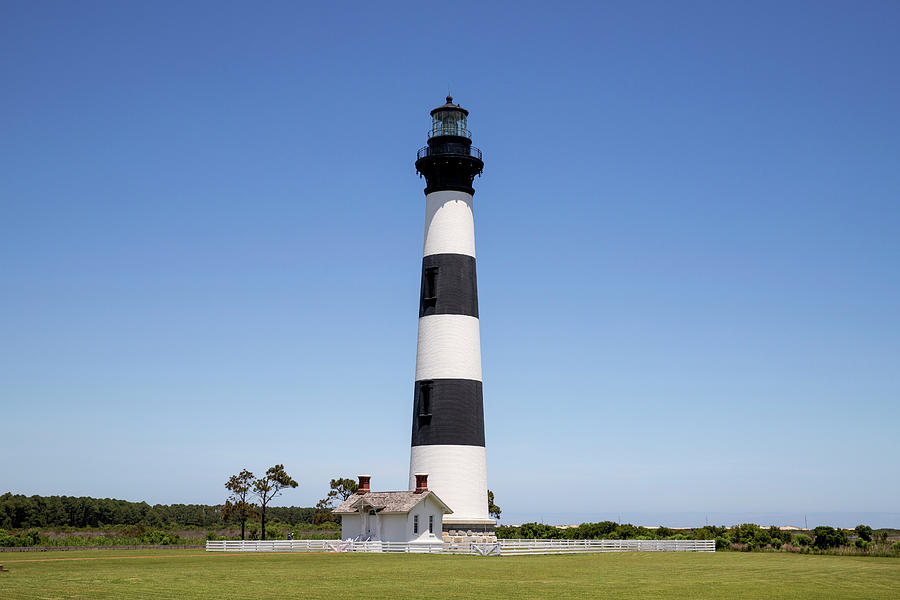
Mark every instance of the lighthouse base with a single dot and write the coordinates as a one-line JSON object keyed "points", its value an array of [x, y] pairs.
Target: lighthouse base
{"points": [[469, 531]]}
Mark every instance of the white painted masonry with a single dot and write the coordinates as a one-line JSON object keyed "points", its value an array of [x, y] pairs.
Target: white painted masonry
{"points": [[449, 347], [458, 475], [395, 527], [449, 223]]}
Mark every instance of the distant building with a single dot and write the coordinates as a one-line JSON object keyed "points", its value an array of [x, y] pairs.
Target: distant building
{"points": [[408, 517]]}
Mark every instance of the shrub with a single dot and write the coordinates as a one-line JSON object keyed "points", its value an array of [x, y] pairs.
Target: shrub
{"points": [[594, 531], [829, 537], [864, 532], [158, 537], [539, 531], [274, 533], [748, 533], [895, 546], [663, 532], [722, 543], [863, 544], [709, 532], [802, 540], [507, 532]]}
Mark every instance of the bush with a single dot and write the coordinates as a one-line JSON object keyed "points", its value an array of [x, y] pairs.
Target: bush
{"points": [[539, 531], [829, 537], [863, 544], [895, 546], [748, 534], [710, 532], [28, 538], [722, 543], [161, 538], [864, 532], [802, 540], [663, 532], [273, 533]]}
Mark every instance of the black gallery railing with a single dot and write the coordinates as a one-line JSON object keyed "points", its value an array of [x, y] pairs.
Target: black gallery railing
{"points": [[443, 149]]}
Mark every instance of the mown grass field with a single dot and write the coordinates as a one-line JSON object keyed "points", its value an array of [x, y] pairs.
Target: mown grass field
{"points": [[197, 574]]}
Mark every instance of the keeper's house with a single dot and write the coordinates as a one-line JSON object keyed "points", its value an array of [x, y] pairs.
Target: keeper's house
{"points": [[409, 517]]}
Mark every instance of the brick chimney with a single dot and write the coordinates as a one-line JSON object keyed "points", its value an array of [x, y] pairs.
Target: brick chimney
{"points": [[421, 483], [363, 484]]}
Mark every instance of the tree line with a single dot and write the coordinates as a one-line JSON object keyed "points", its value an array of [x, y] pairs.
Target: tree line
{"points": [[747, 536], [18, 511]]}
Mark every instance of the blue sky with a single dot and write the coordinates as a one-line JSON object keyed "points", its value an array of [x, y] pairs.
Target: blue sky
{"points": [[688, 258]]}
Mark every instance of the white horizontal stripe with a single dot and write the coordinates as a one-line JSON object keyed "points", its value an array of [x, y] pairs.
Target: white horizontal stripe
{"points": [[458, 475], [449, 348], [449, 223]]}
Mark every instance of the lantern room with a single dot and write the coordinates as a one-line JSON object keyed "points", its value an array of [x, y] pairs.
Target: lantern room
{"points": [[449, 119]]}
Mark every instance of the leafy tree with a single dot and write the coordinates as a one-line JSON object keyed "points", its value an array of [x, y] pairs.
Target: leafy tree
{"points": [[341, 489], [237, 506], [829, 537], [493, 509], [749, 534], [270, 486], [539, 531], [864, 532], [595, 531]]}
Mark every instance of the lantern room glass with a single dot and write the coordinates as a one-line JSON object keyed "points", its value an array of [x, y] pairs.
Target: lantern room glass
{"points": [[449, 122]]}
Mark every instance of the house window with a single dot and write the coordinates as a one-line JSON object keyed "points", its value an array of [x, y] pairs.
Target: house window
{"points": [[415, 523], [430, 523]]}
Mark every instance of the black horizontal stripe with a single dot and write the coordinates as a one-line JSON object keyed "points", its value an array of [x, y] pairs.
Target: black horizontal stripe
{"points": [[448, 411], [449, 285]]}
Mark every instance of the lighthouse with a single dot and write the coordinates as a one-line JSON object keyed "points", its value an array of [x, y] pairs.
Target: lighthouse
{"points": [[448, 413]]}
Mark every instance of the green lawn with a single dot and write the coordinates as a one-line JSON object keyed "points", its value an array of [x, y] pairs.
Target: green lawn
{"points": [[197, 574]]}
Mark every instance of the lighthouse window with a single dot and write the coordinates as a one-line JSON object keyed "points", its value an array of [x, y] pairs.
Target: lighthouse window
{"points": [[415, 523], [430, 523], [425, 399], [449, 122], [429, 286]]}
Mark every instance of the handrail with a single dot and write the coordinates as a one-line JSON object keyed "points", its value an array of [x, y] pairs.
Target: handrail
{"points": [[443, 150]]}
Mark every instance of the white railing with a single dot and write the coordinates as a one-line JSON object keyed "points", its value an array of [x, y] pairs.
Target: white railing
{"points": [[514, 547], [274, 546], [499, 548]]}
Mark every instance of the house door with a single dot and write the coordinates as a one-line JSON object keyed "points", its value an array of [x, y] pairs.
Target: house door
{"points": [[371, 522]]}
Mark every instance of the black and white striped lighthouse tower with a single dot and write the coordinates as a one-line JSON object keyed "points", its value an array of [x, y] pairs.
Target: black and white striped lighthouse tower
{"points": [[448, 415]]}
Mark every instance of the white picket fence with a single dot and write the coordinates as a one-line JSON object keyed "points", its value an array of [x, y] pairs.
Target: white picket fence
{"points": [[499, 548]]}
